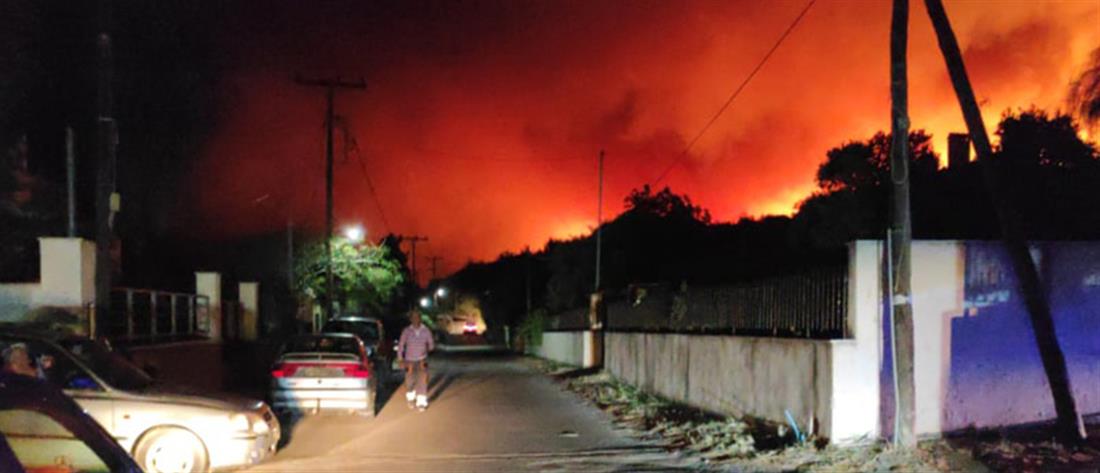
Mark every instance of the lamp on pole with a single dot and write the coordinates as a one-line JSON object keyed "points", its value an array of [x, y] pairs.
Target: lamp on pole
{"points": [[355, 233]]}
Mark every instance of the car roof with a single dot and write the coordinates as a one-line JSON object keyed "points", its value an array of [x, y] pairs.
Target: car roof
{"points": [[325, 335], [355, 318]]}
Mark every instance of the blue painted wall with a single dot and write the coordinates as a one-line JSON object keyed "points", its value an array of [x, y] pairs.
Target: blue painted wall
{"points": [[996, 377]]}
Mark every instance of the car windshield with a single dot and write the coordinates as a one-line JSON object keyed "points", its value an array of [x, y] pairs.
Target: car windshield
{"points": [[322, 344], [367, 331], [115, 370]]}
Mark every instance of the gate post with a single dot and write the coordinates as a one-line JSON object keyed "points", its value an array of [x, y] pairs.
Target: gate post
{"points": [[209, 284]]}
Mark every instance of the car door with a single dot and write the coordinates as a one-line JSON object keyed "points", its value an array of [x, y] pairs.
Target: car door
{"points": [[64, 372]]}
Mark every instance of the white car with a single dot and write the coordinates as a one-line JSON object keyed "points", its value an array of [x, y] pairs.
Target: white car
{"points": [[164, 430], [325, 372]]}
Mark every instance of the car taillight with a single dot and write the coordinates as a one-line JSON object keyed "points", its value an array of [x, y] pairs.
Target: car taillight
{"points": [[282, 371], [356, 372]]}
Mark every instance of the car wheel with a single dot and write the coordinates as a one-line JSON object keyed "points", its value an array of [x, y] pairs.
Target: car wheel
{"points": [[171, 450]]}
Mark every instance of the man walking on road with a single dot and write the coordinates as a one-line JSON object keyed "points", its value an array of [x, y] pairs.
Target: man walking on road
{"points": [[416, 342]]}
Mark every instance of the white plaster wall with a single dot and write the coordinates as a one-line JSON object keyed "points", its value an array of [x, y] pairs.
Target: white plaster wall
{"points": [[209, 284], [67, 272], [249, 295], [66, 279], [938, 286], [856, 361], [564, 347], [15, 300]]}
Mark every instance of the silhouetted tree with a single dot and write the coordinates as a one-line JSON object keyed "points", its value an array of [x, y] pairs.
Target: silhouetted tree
{"points": [[860, 165], [1034, 137]]}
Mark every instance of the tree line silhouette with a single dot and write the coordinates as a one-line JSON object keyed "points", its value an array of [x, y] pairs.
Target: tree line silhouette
{"points": [[663, 237]]}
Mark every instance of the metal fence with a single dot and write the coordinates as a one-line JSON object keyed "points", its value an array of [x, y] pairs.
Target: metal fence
{"points": [[813, 304], [143, 314]]}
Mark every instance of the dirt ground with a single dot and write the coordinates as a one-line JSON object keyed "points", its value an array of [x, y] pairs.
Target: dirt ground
{"points": [[755, 445]]}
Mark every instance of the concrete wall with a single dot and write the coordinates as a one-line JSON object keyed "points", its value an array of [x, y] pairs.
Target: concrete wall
{"points": [[976, 361], [757, 376], [67, 281], [248, 294], [856, 360], [16, 299], [209, 284], [571, 348]]}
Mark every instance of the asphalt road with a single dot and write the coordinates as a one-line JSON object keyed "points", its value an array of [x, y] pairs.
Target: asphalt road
{"points": [[488, 413]]}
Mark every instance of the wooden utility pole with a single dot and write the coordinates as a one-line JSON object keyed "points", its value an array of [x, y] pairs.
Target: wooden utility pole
{"points": [[599, 220], [1071, 429], [901, 232], [435, 260], [330, 86], [413, 240], [105, 164]]}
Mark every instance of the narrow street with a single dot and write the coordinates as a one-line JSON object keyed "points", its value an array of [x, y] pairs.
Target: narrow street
{"points": [[488, 413]]}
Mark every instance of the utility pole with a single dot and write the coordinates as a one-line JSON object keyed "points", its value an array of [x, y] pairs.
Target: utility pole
{"points": [[434, 260], [599, 220], [105, 164], [1071, 429], [70, 180], [330, 86], [413, 240], [901, 232]]}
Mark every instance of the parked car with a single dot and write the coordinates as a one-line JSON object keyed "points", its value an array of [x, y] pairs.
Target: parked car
{"points": [[43, 431], [469, 328], [165, 429], [373, 334], [323, 372]]}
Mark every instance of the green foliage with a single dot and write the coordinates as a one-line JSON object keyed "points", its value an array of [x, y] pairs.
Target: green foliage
{"points": [[367, 276], [530, 330]]}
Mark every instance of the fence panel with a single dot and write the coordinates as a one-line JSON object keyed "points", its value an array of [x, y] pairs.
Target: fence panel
{"points": [[142, 314], [808, 305]]}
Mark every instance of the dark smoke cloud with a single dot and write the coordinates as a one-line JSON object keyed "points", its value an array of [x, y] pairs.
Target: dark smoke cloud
{"points": [[482, 120]]}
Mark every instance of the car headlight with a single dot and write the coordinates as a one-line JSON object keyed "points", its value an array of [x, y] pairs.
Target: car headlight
{"points": [[240, 423], [259, 426], [248, 423]]}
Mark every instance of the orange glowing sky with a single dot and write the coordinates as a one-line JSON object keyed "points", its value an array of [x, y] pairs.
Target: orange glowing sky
{"points": [[482, 121]]}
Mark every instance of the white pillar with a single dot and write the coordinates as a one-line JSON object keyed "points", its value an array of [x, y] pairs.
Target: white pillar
{"points": [[209, 284], [249, 295], [66, 272], [856, 360]]}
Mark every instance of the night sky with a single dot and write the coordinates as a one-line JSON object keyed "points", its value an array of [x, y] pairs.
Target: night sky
{"points": [[481, 121]]}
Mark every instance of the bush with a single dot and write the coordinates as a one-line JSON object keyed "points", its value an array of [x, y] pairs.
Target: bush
{"points": [[530, 330]]}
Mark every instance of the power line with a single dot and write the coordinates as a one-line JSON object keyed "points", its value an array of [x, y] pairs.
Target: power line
{"points": [[353, 144], [735, 93]]}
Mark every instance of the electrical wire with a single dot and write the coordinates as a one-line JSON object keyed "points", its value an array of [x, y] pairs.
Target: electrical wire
{"points": [[353, 145], [735, 93]]}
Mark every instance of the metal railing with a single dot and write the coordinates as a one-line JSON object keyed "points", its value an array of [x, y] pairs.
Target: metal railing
{"points": [[813, 304], [144, 314]]}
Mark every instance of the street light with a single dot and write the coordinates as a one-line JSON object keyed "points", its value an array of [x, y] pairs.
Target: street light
{"points": [[441, 292], [354, 233], [425, 302]]}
